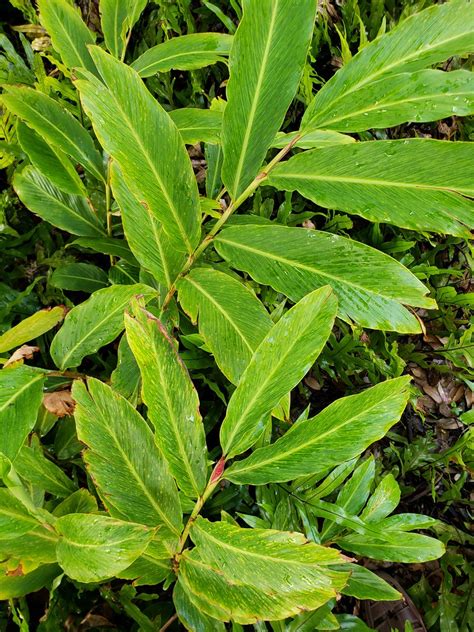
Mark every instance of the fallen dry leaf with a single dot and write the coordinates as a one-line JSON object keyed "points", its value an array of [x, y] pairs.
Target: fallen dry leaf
{"points": [[59, 403], [24, 352]]}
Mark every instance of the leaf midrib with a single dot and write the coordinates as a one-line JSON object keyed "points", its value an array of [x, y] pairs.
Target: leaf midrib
{"points": [[173, 209], [93, 330], [373, 181], [243, 415], [317, 439], [194, 54], [173, 418], [258, 89], [297, 264], [21, 390], [386, 70], [136, 476], [221, 309], [387, 104]]}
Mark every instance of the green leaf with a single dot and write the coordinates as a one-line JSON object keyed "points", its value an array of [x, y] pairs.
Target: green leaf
{"points": [[427, 95], [37, 546], [107, 246], [420, 41], [116, 18], [79, 277], [266, 62], [281, 360], [125, 379], [310, 140], [402, 547], [402, 182], [55, 124], [94, 323], [172, 401], [145, 235], [364, 584], [128, 468], [137, 132], [35, 468], [232, 321], [14, 519], [69, 34], [191, 616], [197, 125], [81, 501], [343, 430], [14, 586], [187, 52], [152, 567], [251, 574], [32, 327], [66, 211], [50, 161], [21, 394], [93, 548], [383, 501], [296, 260]]}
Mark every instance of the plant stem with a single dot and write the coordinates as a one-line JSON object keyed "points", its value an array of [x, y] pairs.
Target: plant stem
{"points": [[210, 487], [233, 206]]}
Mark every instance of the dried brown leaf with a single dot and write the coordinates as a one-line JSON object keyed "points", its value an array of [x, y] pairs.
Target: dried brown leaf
{"points": [[59, 403]]}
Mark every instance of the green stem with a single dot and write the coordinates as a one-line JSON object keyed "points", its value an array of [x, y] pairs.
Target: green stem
{"points": [[210, 487], [233, 206]]}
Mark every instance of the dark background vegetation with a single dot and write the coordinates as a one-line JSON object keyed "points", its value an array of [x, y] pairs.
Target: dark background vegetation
{"points": [[428, 452]]}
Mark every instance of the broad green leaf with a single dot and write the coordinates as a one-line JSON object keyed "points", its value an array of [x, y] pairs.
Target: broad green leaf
{"points": [[152, 567], [55, 124], [427, 95], [191, 616], [402, 547], [128, 468], [317, 138], [21, 394], [364, 584], [68, 32], [370, 285], [423, 39], [197, 125], [401, 182], [187, 52], [50, 161], [171, 399], [94, 323], [137, 132], [232, 321], [14, 519], [125, 379], [340, 432], [37, 546], [14, 586], [35, 468], [66, 211], [281, 360], [93, 548], [408, 522], [251, 574], [266, 61], [81, 501], [79, 277], [107, 246], [383, 501], [116, 18], [32, 327], [145, 235]]}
